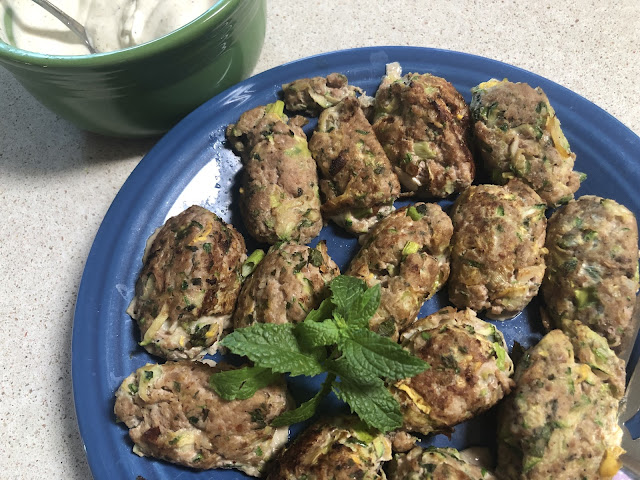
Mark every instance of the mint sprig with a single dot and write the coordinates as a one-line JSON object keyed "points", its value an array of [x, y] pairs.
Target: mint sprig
{"points": [[366, 352], [335, 338], [241, 383], [373, 403], [306, 409], [276, 347]]}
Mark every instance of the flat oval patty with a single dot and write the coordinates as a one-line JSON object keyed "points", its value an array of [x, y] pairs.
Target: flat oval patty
{"points": [[497, 257], [339, 448], [189, 284], [592, 272], [470, 370], [407, 253], [288, 283], [174, 415]]}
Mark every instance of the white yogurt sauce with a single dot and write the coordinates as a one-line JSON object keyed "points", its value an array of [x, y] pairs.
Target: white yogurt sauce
{"points": [[110, 24]]}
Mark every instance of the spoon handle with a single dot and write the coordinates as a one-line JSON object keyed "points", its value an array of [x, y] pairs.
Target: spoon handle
{"points": [[71, 23]]}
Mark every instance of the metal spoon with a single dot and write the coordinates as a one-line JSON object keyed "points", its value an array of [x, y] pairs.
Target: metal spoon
{"points": [[71, 23]]}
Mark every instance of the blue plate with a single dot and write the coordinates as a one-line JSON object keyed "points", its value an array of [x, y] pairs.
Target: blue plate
{"points": [[192, 165]]}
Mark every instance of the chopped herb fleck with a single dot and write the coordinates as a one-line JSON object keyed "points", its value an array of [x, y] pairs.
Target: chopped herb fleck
{"points": [[257, 416], [387, 328], [448, 361], [417, 212], [472, 263], [569, 265], [199, 337], [315, 257], [299, 266], [593, 272]]}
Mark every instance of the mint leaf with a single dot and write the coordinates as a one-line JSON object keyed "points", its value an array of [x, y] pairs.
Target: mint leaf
{"points": [[307, 409], [316, 334], [364, 306], [345, 291], [275, 347], [346, 369], [323, 312], [339, 326], [374, 404], [241, 383], [367, 352]]}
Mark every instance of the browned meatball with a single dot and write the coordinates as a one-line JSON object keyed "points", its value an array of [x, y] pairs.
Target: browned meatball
{"points": [[561, 421], [188, 286], [289, 282], [174, 415], [279, 194], [407, 253], [423, 124], [340, 448], [470, 371], [519, 136], [357, 180], [435, 464], [312, 95], [592, 272], [497, 258]]}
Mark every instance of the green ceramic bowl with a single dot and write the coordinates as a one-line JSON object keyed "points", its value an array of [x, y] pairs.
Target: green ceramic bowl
{"points": [[146, 89]]}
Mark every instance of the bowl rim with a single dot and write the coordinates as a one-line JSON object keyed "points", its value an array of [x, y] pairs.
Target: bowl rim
{"points": [[213, 16]]}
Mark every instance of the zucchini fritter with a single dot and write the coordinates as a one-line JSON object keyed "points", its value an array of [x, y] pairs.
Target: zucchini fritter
{"points": [[497, 257], [470, 371], [423, 124], [407, 253], [289, 282], [188, 286], [434, 464], [340, 448], [592, 272], [519, 136], [279, 194], [357, 180], [561, 421], [174, 415]]}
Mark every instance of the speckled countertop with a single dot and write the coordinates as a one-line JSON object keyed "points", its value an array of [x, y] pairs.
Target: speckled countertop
{"points": [[56, 182]]}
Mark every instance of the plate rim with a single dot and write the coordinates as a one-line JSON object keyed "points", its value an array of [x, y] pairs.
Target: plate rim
{"points": [[171, 141]]}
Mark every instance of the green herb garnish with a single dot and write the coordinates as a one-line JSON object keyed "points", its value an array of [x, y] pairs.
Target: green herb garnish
{"points": [[242, 383], [334, 340]]}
